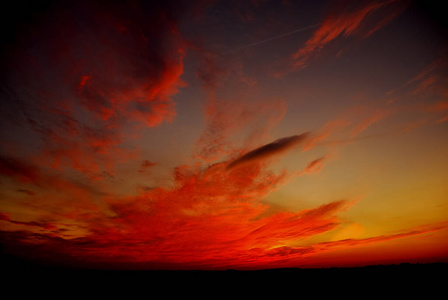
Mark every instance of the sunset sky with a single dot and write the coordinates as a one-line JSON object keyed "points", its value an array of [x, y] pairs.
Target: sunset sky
{"points": [[217, 134]]}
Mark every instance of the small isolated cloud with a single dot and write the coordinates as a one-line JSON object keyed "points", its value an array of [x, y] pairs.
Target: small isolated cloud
{"points": [[146, 164], [315, 166], [275, 148]]}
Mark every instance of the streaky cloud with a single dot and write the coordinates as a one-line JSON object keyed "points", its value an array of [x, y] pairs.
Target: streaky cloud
{"points": [[348, 18], [269, 150]]}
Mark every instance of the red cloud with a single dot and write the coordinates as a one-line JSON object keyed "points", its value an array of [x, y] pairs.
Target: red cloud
{"points": [[210, 219], [94, 76], [213, 218], [315, 166], [346, 19]]}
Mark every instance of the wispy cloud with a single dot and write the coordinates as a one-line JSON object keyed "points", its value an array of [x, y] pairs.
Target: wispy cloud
{"points": [[291, 254], [348, 18], [375, 117], [94, 76], [305, 28], [226, 117], [268, 150], [315, 166]]}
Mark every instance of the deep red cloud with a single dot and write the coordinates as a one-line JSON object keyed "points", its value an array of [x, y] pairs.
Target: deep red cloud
{"points": [[211, 219], [214, 217]]}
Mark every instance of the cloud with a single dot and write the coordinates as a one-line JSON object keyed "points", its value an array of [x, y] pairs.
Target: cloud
{"points": [[429, 83], [20, 170], [315, 166], [310, 254], [212, 217], [226, 116], [146, 164], [439, 106], [375, 117], [231, 119], [26, 192], [118, 69], [88, 69], [323, 133], [348, 18], [382, 238], [269, 150], [59, 196], [44, 225]]}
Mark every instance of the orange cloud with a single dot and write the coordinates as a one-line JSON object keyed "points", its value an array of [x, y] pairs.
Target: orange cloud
{"points": [[382, 238], [315, 166], [365, 123], [323, 133]]}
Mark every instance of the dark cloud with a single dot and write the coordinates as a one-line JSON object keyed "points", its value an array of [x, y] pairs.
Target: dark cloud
{"points": [[146, 164], [19, 170], [27, 192], [75, 72], [268, 150], [45, 225]]}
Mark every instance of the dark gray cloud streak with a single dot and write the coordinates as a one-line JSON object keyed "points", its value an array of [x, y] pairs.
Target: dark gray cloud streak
{"points": [[268, 150]]}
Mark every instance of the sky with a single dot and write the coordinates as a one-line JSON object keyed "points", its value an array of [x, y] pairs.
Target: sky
{"points": [[224, 134]]}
